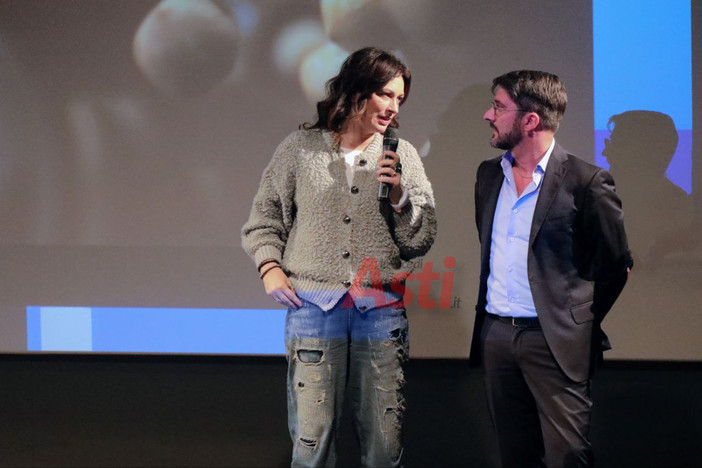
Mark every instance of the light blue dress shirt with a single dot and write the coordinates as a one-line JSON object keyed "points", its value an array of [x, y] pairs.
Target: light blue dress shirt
{"points": [[509, 293]]}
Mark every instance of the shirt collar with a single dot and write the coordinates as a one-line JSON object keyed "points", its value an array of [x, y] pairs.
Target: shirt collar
{"points": [[508, 159]]}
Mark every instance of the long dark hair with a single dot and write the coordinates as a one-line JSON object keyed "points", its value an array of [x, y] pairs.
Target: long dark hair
{"points": [[363, 73]]}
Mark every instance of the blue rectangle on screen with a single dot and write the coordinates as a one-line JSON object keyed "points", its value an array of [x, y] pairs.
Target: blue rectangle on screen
{"points": [[161, 330], [33, 328], [66, 329], [156, 330]]}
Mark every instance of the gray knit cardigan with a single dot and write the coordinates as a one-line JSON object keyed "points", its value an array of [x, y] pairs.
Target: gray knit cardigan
{"points": [[320, 230]]}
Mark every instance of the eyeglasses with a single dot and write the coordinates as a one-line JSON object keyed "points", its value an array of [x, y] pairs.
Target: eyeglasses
{"points": [[497, 108]]}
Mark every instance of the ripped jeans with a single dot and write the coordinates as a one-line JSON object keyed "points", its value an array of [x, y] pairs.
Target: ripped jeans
{"points": [[346, 352]]}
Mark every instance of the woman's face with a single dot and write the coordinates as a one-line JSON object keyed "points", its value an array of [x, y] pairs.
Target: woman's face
{"points": [[381, 107]]}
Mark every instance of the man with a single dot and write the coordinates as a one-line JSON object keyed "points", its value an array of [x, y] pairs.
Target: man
{"points": [[554, 258]]}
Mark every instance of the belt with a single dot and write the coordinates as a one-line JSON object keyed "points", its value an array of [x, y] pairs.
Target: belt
{"points": [[521, 322]]}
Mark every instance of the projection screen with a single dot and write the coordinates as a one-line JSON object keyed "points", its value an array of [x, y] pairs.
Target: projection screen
{"points": [[134, 134]]}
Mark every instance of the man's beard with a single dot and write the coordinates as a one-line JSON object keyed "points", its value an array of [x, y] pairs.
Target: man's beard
{"points": [[508, 140]]}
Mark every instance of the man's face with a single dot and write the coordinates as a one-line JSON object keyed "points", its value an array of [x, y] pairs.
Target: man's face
{"points": [[505, 120]]}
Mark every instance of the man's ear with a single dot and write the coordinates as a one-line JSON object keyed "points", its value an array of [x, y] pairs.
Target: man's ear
{"points": [[532, 121]]}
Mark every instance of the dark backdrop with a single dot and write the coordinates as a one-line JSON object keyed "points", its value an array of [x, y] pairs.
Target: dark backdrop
{"points": [[178, 411]]}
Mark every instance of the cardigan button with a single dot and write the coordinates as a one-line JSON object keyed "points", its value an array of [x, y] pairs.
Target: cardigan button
{"points": [[347, 220], [345, 254], [354, 190], [362, 162], [346, 283]]}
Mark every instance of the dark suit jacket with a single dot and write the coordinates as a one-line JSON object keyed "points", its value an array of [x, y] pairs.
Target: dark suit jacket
{"points": [[577, 261]]}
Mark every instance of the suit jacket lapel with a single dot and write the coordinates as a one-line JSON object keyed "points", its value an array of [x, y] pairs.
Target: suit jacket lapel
{"points": [[553, 179], [494, 181]]}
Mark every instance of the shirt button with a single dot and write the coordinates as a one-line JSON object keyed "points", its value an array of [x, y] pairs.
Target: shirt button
{"points": [[347, 283], [347, 220], [509, 268], [362, 162], [511, 299], [511, 239], [354, 189], [345, 254], [515, 210]]}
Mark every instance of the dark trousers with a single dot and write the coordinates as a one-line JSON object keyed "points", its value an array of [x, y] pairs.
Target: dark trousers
{"points": [[541, 417]]}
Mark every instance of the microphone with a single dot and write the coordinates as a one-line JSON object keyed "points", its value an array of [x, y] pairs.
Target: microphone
{"points": [[390, 141]]}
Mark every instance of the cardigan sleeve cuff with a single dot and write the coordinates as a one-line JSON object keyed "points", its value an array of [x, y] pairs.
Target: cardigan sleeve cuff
{"points": [[267, 252], [407, 215]]}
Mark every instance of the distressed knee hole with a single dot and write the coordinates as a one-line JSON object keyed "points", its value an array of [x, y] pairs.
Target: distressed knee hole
{"points": [[398, 339], [391, 417], [308, 443], [398, 334], [310, 356]]}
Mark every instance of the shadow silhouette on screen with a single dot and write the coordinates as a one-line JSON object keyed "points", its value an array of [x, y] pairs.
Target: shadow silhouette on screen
{"points": [[658, 213], [660, 302]]}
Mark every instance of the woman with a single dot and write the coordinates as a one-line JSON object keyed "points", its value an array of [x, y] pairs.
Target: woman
{"points": [[328, 249]]}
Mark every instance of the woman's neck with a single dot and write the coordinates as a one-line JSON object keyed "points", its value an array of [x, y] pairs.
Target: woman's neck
{"points": [[355, 140]]}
